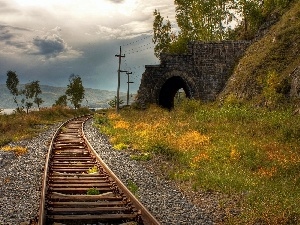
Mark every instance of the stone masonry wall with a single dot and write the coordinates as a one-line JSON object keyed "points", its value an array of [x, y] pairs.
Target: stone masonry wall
{"points": [[205, 69]]}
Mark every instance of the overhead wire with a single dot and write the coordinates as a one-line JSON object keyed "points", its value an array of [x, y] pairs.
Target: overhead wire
{"points": [[137, 48]]}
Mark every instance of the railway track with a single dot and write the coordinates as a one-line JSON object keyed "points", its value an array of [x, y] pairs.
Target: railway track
{"points": [[78, 187]]}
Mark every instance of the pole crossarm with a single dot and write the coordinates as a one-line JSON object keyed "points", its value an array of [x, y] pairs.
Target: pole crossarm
{"points": [[128, 82], [120, 55]]}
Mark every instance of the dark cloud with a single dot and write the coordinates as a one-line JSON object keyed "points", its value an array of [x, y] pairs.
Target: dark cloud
{"points": [[8, 32], [17, 44], [20, 40], [50, 46], [64, 38], [11, 36], [5, 34]]}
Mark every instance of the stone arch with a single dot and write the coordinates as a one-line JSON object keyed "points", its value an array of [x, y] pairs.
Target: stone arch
{"points": [[202, 71], [171, 82]]}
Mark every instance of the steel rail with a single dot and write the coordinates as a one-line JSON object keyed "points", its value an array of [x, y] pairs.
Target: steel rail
{"points": [[44, 188], [147, 217], [64, 186]]}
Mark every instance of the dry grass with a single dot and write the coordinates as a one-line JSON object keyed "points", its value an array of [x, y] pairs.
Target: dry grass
{"points": [[18, 150], [20, 126], [232, 149]]}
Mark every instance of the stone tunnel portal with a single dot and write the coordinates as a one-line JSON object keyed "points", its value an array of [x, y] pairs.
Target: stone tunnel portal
{"points": [[169, 89]]}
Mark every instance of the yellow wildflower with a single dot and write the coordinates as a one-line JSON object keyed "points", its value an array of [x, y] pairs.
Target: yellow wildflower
{"points": [[121, 125]]}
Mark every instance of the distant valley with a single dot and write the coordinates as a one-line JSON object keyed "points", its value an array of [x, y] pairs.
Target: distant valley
{"points": [[94, 98]]}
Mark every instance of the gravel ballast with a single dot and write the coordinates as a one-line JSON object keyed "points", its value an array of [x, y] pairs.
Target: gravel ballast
{"points": [[21, 177]]}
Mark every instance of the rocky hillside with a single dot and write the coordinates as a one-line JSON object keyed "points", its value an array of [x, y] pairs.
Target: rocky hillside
{"points": [[94, 98], [270, 68]]}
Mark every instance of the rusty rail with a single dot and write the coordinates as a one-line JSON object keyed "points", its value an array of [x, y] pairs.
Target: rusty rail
{"points": [[72, 195]]}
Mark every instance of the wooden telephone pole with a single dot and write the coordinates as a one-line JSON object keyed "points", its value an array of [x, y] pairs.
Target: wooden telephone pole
{"points": [[119, 71], [128, 82]]}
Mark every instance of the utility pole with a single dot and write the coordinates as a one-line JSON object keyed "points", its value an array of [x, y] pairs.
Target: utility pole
{"points": [[118, 90], [128, 82]]}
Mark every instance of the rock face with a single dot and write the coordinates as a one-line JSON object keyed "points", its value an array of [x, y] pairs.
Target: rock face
{"points": [[202, 73], [295, 83]]}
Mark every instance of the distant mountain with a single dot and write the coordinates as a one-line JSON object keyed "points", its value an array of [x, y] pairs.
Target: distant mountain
{"points": [[94, 98]]}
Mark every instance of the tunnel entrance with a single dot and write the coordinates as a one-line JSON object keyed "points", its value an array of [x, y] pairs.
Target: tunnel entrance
{"points": [[169, 90]]}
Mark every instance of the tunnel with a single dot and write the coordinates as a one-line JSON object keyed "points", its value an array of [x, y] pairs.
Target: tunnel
{"points": [[169, 90]]}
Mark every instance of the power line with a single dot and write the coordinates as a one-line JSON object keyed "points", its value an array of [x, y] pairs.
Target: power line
{"points": [[138, 47], [133, 51], [141, 39]]}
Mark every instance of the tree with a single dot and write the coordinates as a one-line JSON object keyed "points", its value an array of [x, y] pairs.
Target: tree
{"points": [[251, 14], [12, 83], [75, 90], [38, 101], [32, 90], [162, 34], [112, 103], [208, 20], [203, 20], [28, 105], [37, 91], [61, 101], [198, 20]]}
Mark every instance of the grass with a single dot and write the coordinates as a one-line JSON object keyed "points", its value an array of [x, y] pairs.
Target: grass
{"points": [[132, 187], [92, 191], [144, 156], [231, 149], [18, 150], [20, 126]]}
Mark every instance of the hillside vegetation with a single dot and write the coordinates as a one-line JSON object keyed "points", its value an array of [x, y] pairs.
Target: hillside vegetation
{"points": [[263, 74]]}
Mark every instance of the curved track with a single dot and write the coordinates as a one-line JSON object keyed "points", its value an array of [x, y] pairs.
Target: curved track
{"points": [[66, 197]]}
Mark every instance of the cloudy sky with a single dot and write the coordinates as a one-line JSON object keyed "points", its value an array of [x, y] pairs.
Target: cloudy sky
{"points": [[49, 40]]}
